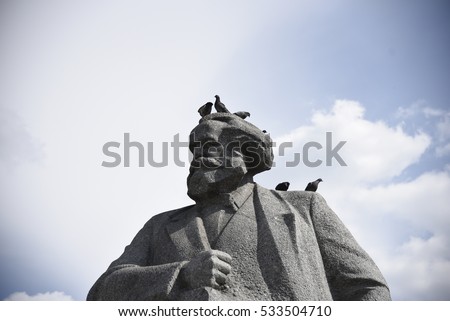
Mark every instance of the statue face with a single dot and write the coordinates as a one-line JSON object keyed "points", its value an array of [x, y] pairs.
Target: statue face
{"points": [[218, 165]]}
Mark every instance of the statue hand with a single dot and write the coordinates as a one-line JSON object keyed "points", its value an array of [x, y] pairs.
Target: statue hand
{"points": [[208, 268]]}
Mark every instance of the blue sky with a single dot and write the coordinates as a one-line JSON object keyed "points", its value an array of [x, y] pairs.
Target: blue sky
{"points": [[75, 75]]}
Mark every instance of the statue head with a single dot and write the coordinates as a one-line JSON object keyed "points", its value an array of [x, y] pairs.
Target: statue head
{"points": [[227, 151]]}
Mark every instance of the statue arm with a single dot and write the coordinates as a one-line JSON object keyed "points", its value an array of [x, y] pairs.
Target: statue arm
{"points": [[351, 273], [131, 277], [130, 282]]}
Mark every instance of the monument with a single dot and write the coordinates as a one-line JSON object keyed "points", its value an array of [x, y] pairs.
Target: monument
{"points": [[241, 241]]}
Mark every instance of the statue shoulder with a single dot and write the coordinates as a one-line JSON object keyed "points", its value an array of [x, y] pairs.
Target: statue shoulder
{"points": [[303, 199], [287, 195], [164, 217]]}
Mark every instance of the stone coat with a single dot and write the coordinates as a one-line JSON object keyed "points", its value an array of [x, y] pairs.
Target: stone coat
{"points": [[285, 246]]}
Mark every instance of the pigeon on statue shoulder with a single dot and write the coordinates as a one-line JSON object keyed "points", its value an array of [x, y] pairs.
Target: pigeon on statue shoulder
{"points": [[284, 186], [312, 186]]}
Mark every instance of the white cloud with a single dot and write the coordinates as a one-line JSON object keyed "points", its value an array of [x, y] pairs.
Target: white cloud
{"points": [[433, 120], [405, 112], [403, 224], [47, 296], [419, 108], [433, 112], [373, 151], [420, 269], [417, 263], [422, 201]]}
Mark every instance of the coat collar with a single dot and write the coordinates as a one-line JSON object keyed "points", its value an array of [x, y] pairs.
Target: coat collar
{"points": [[186, 229]]}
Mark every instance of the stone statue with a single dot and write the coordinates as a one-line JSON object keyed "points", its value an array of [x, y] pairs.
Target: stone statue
{"points": [[241, 241]]}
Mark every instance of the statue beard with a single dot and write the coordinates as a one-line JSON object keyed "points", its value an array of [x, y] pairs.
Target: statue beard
{"points": [[215, 178]]}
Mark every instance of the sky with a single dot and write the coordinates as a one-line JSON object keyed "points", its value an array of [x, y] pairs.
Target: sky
{"points": [[77, 75]]}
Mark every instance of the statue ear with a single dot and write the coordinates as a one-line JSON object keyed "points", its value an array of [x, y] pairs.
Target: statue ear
{"points": [[258, 156], [267, 155]]}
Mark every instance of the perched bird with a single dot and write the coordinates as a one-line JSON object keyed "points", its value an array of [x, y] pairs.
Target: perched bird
{"points": [[242, 114], [282, 186], [312, 186], [205, 109], [264, 131], [220, 106]]}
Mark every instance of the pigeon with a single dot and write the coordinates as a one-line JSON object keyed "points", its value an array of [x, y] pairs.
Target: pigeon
{"points": [[205, 109], [219, 106], [312, 186], [282, 186], [242, 114]]}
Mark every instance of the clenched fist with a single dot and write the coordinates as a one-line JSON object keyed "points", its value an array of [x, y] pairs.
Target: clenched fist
{"points": [[208, 268]]}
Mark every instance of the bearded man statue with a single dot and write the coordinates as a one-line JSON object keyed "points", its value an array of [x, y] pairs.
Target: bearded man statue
{"points": [[241, 241]]}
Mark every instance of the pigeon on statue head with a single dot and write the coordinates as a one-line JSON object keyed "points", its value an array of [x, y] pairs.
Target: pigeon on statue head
{"points": [[220, 106]]}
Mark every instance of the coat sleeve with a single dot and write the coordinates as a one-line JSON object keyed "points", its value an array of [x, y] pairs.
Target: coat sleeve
{"points": [[351, 273], [130, 277]]}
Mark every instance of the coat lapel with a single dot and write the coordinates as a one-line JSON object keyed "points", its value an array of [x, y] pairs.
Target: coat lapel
{"points": [[187, 233], [279, 217], [283, 236]]}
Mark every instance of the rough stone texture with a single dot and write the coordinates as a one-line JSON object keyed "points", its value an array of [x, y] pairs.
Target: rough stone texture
{"points": [[285, 245]]}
